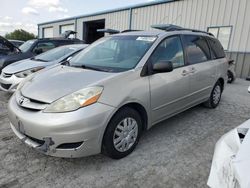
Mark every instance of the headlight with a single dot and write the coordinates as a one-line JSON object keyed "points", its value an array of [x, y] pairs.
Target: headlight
{"points": [[28, 72], [76, 100]]}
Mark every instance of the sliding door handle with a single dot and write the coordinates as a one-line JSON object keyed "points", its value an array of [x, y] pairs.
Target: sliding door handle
{"points": [[184, 73]]}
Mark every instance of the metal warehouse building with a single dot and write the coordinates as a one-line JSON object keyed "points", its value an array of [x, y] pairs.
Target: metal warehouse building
{"points": [[228, 20]]}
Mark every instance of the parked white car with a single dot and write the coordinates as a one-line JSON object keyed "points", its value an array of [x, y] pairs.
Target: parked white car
{"points": [[231, 161], [14, 73]]}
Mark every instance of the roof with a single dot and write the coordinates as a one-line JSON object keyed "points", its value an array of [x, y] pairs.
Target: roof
{"points": [[164, 33], [143, 33], [141, 5], [58, 38]]}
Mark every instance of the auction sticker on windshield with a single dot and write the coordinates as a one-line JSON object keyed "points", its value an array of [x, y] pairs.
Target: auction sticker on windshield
{"points": [[148, 39]]}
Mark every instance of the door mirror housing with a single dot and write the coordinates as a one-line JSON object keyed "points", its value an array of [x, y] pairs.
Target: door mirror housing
{"points": [[163, 66]]}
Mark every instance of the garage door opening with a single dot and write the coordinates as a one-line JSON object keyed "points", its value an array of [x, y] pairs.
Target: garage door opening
{"points": [[90, 33]]}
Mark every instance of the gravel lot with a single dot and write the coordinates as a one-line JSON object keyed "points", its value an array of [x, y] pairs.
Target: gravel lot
{"points": [[176, 153]]}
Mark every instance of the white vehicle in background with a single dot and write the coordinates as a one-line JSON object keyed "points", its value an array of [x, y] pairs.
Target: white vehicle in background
{"points": [[231, 161], [14, 73]]}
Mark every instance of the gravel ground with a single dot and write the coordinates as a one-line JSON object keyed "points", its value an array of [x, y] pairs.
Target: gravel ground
{"points": [[175, 153]]}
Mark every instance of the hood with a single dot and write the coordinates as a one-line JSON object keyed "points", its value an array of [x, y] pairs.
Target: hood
{"points": [[7, 43], [6, 60], [25, 65], [49, 85]]}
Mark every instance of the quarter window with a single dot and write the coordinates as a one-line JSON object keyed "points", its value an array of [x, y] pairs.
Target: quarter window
{"points": [[169, 50], [216, 48], [197, 49], [223, 34]]}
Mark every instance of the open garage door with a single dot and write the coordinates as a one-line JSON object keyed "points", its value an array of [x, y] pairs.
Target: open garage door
{"points": [[48, 32], [90, 33]]}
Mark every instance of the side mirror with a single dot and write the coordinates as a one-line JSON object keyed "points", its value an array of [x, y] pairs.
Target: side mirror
{"points": [[38, 51], [163, 66], [65, 63]]}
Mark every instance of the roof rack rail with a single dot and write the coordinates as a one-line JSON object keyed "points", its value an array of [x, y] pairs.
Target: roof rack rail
{"points": [[166, 27], [129, 30], [110, 31], [171, 27]]}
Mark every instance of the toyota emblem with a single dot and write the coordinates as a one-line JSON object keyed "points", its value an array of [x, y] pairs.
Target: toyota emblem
{"points": [[21, 100]]}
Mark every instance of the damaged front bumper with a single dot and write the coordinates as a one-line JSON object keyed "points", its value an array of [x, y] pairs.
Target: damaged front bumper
{"points": [[44, 148], [69, 135]]}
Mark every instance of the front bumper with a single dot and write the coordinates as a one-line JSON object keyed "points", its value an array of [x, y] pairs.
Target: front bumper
{"points": [[46, 132], [9, 84]]}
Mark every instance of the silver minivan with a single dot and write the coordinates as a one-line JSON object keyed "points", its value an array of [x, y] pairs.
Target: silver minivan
{"points": [[118, 87]]}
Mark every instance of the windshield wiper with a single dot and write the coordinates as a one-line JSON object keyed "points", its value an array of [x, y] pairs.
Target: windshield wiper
{"points": [[91, 68]]}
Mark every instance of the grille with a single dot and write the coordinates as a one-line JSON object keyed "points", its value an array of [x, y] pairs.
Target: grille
{"points": [[5, 86], [29, 103]]}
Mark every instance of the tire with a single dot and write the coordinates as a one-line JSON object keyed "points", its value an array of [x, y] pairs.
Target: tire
{"points": [[215, 96], [230, 77], [122, 147]]}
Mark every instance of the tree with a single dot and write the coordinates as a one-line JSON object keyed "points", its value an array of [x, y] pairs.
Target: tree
{"points": [[20, 34]]}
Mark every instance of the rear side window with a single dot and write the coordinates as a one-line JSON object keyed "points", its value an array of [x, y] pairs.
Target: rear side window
{"points": [[197, 49], [216, 48]]}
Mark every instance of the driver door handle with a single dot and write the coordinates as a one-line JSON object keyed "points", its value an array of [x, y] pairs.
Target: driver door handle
{"points": [[192, 70]]}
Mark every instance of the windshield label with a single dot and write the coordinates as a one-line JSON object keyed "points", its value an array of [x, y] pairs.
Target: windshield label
{"points": [[148, 39]]}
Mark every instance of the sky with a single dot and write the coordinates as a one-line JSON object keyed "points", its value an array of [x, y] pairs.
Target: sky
{"points": [[26, 14]]}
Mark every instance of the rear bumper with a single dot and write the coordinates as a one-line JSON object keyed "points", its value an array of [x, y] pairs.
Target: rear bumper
{"points": [[9, 84], [46, 132]]}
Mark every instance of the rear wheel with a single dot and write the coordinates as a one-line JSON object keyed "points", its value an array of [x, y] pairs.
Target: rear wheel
{"points": [[230, 77], [122, 134], [215, 96]]}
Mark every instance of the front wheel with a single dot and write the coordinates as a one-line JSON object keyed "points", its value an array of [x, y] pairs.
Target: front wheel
{"points": [[215, 96], [122, 134]]}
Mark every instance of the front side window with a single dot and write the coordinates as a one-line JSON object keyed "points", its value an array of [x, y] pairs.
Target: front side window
{"points": [[114, 53], [223, 34], [170, 50], [196, 48], [27, 45]]}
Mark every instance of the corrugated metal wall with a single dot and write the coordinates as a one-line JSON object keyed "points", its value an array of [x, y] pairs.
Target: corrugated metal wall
{"points": [[200, 14], [197, 14], [56, 27], [243, 63]]}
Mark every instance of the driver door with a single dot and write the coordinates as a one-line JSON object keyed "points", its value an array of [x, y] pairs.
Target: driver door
{"points": [[170, 90]]}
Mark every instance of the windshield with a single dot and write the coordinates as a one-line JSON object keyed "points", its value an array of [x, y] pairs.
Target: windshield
{"points": [[114, 54], [56, 53], [26, 46]]}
